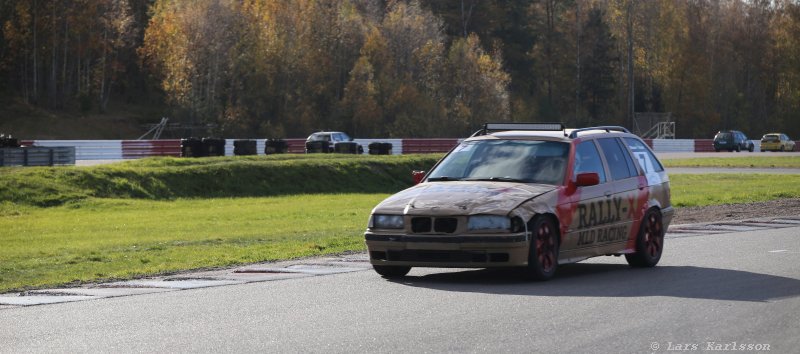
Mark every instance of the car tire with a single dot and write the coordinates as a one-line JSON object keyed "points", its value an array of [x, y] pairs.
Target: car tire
{"points": [[649, 241], [751, 148], [543, 251], [715, 149], [782, 149], [738, 149], [391, 271]]}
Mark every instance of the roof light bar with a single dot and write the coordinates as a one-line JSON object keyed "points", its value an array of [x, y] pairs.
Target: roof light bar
{"points": [[524, 126]]}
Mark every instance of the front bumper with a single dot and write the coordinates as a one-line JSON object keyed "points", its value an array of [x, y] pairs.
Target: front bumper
{"points": [[449, 251]]}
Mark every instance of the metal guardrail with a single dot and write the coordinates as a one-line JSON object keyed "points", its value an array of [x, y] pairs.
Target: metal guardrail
{"points": [[37, 156]]}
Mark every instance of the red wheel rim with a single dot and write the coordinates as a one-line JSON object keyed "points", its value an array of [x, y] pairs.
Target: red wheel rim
{"points": [[652, 236], [546, 247]]}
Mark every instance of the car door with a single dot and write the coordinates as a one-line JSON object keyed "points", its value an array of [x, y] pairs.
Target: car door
{"points": [[588, 209], [625, 184]]}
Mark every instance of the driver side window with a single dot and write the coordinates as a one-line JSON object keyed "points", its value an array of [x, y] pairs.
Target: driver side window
{"points": [[587, 159]]}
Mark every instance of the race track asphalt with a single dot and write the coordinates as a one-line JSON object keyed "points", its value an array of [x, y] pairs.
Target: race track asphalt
{"points": [[708, 290]]}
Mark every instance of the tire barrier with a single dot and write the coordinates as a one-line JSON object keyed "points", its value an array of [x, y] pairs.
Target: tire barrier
{"points": [[275, 146], [244, 147], [314, 147], [348, 147], [380, 148], [8, 141], [193, 147], [214, 146]]}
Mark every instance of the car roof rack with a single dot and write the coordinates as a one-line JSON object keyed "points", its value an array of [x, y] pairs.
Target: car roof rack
{"points": [[496, 127], [608, 128]]}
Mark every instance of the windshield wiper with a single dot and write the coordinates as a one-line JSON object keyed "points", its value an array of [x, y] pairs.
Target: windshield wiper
{"points": [[500, 179], [443, 178]]}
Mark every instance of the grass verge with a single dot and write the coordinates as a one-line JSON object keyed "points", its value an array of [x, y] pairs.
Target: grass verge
{"points": [[219, 177], [754, 161], [98, 239], [715, 189]]}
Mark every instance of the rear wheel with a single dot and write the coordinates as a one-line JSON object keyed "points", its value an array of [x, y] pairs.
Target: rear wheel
{"points": [[391, 271], [751, 148], [782, 148], [543, 253], [738, 149], [649, 242]]}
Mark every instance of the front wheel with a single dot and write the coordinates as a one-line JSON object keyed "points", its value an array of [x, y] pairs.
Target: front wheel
{"points": [[391, 271], [543, 252], [649, 242]]}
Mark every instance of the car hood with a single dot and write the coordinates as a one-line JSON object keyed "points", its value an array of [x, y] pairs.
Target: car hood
{"points": [[461, 198]]}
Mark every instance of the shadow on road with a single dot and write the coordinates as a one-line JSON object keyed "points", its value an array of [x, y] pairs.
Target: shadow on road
{"points": [[617, 280]]}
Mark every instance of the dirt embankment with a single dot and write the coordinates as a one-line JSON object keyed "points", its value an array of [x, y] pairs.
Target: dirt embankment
{"points": [[781, 207]]}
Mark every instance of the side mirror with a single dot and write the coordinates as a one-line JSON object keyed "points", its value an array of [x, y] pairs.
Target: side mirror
{"points": [[417, 176], [587, 179]]}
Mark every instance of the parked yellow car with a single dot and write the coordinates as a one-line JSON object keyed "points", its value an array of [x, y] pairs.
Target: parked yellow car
{"points": [[776, 142]]}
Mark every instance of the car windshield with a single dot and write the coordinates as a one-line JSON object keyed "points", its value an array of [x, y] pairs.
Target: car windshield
{"points": [[524, 161], [319, 137]]}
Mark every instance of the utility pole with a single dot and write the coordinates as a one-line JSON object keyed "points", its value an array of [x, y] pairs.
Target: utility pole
{"points": [[630, 64]]}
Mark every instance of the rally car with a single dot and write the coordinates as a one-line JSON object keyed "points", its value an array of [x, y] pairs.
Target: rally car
{"points": [[530, 196]]}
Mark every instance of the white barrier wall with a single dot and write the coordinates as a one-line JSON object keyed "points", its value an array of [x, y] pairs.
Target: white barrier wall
{"points": [[673, 145]]}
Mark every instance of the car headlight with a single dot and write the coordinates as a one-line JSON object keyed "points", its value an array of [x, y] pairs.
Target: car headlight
{"points": [[489, 222], [380, 221]]}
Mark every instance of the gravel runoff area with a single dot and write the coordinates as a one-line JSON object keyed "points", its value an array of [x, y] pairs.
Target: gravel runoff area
{"points": [[780, 207]]}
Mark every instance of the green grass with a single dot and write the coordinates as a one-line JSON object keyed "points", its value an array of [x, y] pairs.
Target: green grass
{"points": [[754, 161], [70, 225], [222, 177], [115, 239], [713, 189]]}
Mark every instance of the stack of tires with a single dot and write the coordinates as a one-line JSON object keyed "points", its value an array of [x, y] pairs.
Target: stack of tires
{"points": [[348, 147], [275, 146], [214, 146], [377, 148], [193, 147], [8, 141], [314, 147], [244, 147]]}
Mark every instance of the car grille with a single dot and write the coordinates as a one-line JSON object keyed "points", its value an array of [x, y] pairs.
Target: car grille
{"points": [[439, 256], [421, 225]]}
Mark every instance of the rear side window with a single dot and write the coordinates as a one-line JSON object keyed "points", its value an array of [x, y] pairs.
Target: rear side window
{"points": [[644, 156], [619, 162], [587, 159]]}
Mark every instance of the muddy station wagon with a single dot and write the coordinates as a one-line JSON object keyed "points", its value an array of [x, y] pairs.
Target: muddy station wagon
{"points": [[530, 196]]}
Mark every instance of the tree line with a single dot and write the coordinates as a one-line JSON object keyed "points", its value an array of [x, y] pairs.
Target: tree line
{"points": [[411, 68]]}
